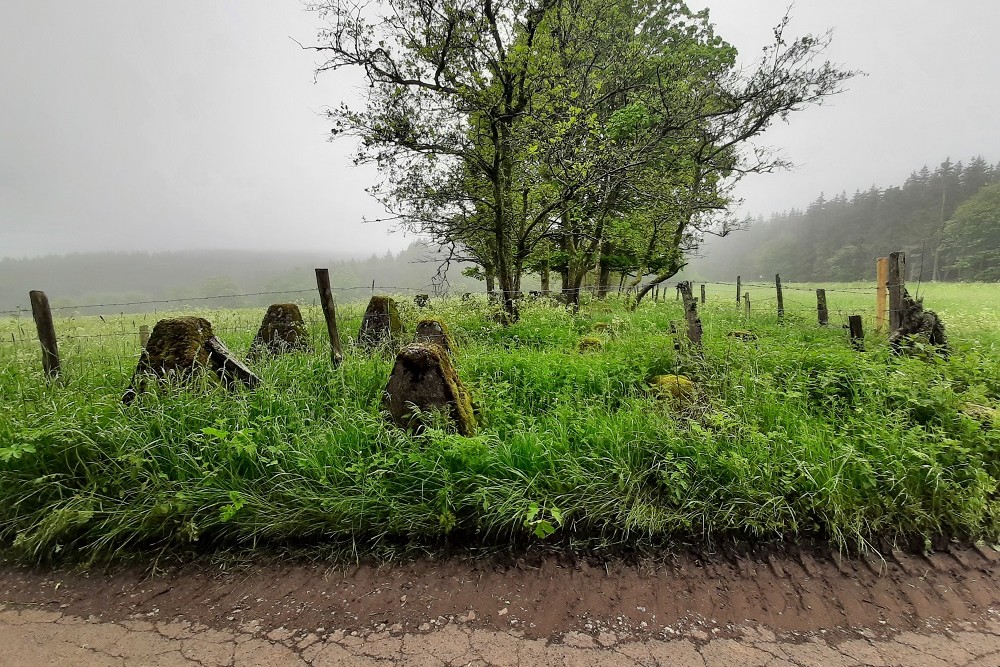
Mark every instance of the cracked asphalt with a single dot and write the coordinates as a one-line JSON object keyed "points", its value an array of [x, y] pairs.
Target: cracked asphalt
{"points": [[32, 637], [762, 610]]}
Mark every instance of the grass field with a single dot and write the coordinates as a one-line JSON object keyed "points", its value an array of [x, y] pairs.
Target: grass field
{"points": [[792, 436]]}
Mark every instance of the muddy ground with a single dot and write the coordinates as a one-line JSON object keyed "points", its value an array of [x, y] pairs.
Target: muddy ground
{"points": [[542, 596]]}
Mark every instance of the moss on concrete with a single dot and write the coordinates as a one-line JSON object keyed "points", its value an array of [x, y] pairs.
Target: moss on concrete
{"points": [[381, 324], [424, 378], [282, 330], [434, 331]]}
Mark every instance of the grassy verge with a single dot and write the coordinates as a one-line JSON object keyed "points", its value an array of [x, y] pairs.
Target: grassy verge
{"points": [[792, 435]]}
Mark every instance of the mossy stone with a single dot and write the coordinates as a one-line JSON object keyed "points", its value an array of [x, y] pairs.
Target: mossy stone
{"points": [[677, 388], [177, 345], [434, 331], [589, 344], [742, 335], [176, 348], [987, 416], [423, 378], [282, 330], [381, 324]]}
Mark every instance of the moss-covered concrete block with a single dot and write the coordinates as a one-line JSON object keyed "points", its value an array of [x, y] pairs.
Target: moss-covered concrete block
{"points": [[178, 348], [423, 378], [282, 330], [434, 331], [381, 325]]}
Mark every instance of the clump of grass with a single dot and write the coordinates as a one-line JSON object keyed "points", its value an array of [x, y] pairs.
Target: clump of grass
{"points": [[796, 435]]}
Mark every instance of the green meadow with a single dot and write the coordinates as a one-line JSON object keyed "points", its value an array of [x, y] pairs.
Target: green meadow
{"points": [[793, 435]]}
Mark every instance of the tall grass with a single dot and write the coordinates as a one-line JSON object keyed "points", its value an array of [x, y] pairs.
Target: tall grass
{"points": [[793, 435]]}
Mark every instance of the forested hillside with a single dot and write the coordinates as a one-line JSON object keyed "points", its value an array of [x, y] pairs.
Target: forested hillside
{"points": [[946, 220], [100, 278]]}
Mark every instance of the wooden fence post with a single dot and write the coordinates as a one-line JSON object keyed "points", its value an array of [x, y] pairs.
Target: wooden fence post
{"points": [[746, 299], [330, 313], [897, 269], [143, 335], [703, 294], [42, 314], [781, 300], [738, 281], [821, 311], [857, 332], [881, 292]]}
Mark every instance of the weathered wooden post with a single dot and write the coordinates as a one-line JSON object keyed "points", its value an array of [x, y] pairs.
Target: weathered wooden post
{"points": [[897, 269], [42, 314], [703, 294], [781, 300], [857, 332], [738, 282], [143, 335], [881, 292], [691, 312], [821, 311], [746, 299], [330, 313]]}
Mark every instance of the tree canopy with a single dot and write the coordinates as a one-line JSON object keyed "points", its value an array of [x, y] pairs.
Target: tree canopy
{"points": [[525, 135]]}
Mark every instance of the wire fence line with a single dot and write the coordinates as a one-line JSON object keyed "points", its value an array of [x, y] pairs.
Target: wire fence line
{"points": [[149, 302], [439, 292], [24, 336]]}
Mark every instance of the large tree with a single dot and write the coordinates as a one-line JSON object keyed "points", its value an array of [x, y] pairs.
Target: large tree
{"points": [[503, 127]]}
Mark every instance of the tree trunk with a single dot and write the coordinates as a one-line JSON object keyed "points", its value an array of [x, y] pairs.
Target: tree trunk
{"points": [[545, 277], [509, 297], [491, 281], [573, 284], [660, 277], [604, 281]]}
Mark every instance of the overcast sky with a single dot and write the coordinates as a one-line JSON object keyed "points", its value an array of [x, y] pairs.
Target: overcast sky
{"points": [[133, 125]]}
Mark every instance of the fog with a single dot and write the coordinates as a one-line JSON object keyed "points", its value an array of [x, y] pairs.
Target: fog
{"points": [[192, 124]]}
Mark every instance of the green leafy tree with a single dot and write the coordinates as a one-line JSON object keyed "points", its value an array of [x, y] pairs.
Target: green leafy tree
{"points": [[504, 126], [972, 236]]}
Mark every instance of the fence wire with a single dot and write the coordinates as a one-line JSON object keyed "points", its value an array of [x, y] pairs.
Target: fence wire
{"points": [[588, 289], [761, 301]]}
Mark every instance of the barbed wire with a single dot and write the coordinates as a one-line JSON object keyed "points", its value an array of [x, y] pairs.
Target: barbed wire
{"points": [[496, 292], [849, 290], [18, 311], [655, 292]]}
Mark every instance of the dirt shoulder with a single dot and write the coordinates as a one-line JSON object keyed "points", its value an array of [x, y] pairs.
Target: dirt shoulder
{"points": [[689, 609]]}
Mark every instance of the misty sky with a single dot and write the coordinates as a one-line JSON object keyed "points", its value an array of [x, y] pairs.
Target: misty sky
{"points": [[148, 126]]}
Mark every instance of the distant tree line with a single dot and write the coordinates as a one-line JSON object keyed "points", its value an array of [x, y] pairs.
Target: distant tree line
{"points": [[105, 278], [947, 221]]}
